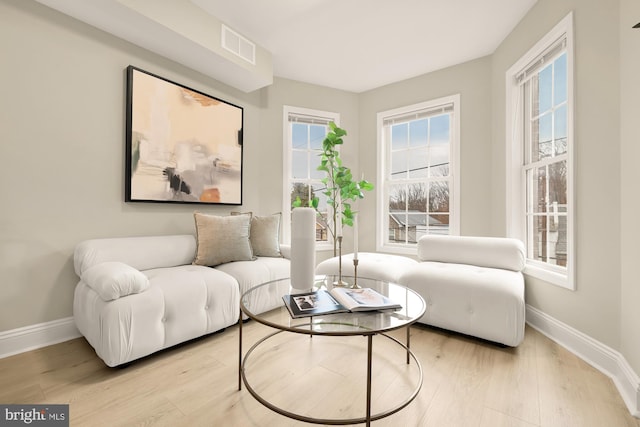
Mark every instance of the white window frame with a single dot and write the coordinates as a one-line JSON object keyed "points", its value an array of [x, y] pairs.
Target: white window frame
{"points": [[287, 172], [515, 179], [382, 190]]}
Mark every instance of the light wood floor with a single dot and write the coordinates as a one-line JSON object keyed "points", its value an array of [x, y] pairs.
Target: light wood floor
{"points": [[467, 383]]}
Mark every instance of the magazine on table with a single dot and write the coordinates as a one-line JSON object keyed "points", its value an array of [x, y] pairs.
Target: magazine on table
{"points": [[337, 300]]}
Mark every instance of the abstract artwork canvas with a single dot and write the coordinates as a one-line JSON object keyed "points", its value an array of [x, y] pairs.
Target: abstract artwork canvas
{"points": [[182, 146]]}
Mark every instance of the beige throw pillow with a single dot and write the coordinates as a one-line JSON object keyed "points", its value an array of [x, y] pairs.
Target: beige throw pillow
{"points": [[265, 235], [222, 239]]}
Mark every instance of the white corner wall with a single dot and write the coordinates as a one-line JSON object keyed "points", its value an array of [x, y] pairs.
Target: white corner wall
{"points": [[594, 307], [629, 179]]}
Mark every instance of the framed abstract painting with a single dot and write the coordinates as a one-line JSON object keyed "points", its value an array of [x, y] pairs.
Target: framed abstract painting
{"points": [[182, 146]]}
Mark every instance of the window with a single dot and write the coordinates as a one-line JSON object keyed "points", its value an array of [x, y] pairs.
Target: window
{"points": [[540, 184], [304, 131], [418, 173]]}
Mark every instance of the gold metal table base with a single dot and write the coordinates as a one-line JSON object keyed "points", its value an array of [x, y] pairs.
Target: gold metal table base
{"points": [[331, 421]]}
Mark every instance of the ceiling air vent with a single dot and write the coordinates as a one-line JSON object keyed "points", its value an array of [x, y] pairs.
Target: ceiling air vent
{"points": [[238, 45]]}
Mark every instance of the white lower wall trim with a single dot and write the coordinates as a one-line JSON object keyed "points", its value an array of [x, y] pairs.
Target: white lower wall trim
{"points": [[605, 359], [36, 336]]}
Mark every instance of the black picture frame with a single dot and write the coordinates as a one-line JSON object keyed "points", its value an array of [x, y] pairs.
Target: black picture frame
{"points": [[182, 145]]}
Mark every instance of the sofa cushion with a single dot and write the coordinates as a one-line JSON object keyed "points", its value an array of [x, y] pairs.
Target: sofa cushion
{"points": [[250, 274], [492, 252], [113, 279], [370, 265], [222, 239]]}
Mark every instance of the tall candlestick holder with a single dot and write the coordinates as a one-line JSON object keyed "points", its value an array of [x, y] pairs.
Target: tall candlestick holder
{"points": [[340, 282], [355, 274]]}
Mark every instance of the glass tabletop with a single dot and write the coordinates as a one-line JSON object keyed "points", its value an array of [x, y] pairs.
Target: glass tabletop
{"points": [[351, 323]]}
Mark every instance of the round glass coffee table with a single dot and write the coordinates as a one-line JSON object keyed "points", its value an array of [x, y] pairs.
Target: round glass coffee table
{"points": [[367, 324]]}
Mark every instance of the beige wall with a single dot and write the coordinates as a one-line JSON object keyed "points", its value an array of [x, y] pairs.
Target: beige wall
{"points": [[630, 177], [62, 148], [594, 308], [62, 107], [470, 80]]}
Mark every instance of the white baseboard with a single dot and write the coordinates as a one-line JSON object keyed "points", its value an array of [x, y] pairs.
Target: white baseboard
{"points": [[36, 336], [598, 355]]}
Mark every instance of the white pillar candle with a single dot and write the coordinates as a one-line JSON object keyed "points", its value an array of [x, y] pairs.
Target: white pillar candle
{"points": [[303, 249], [355, 236]]}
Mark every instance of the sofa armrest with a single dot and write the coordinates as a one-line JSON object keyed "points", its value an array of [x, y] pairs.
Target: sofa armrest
{"points": [[113, 280], [285, 250], [492, 252]]}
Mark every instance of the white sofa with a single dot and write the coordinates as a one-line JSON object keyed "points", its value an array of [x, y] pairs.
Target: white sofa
{"points": [[472, 285], [138, 295]]}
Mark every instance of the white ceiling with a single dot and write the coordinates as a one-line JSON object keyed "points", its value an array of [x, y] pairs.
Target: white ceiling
{"points": [[357, 45], [354, 45]]}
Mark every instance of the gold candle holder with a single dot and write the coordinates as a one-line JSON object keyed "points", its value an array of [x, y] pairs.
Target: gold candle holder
{"points": [[340, 282], [355, 274]]}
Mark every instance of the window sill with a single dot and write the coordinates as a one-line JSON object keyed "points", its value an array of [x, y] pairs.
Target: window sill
{"points": [[554, 277]]}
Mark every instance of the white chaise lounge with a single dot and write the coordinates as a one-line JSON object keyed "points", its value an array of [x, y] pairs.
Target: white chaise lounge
{"points": [[472, 285]]}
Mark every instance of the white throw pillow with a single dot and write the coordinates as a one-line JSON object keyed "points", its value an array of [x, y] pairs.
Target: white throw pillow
{"points": [[113, 279]]}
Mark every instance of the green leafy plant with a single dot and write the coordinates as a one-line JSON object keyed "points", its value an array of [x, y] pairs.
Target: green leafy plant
{"points": [[340, 188]]}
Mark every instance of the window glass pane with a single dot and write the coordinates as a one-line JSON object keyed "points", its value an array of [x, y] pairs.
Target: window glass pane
{"points": [[545, 79], [439, 224], [299, 165], [546, 186], [299, 135], [537, 190], [540, 238], [416, 197], [397, 232], [560, 80], [416, 226], [549, 233], [316, 136], [397, 227], [397, 198], [302, 190], [560, 130], [399, 136], [440, 130], [418, 132], [399, 164], [439, 196], [541, 147], [439, 145], [314, 160], [418, 163], [439, 160], [558, 186]]}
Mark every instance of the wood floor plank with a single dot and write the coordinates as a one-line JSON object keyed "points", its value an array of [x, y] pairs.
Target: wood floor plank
{"points": [[493, 418], [513, 379], [467, 382]]}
